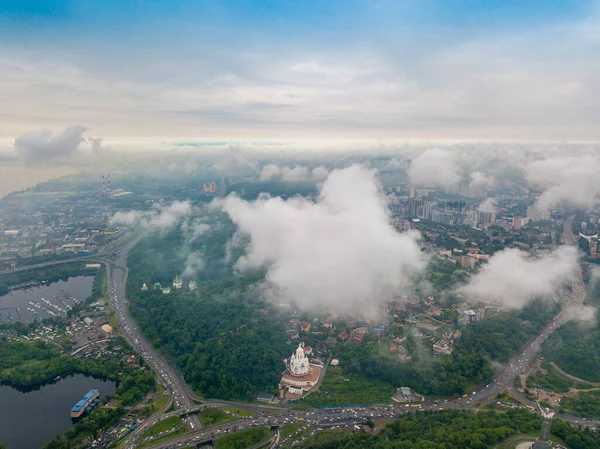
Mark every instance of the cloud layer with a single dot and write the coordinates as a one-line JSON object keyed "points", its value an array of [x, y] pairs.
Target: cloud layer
{"points": [[158, 218], [435, 167], [295, 174], [166, 217], [340, 252], [512, 277], [566, 179], [43, 145], [488, 205]]}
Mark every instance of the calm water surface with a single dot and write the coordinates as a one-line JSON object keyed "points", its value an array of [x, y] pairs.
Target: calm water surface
{"points": [[79, 287], [30, 420]]}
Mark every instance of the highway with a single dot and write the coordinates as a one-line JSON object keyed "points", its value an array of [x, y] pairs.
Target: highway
{"points": [[348, 417], [111, 248], [317, 420], [186, 401], [519, 363], [37, 266], [116, 280]]}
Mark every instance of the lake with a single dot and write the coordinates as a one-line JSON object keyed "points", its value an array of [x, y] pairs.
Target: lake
{"points": [[80, 287], [30, 420]]}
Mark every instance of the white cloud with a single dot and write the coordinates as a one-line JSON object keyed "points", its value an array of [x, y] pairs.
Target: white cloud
{"points": [[194, 230], [491, 85], [339, 252], [193, 265], [295, 174], [43, 145], [233, 160], [270, 171], [435, 167], [488, 205], [396, 163], [320, 174], [585, 315], [168, 216], [512, 277], [187, 168], [127, 218], [298, 173], [96, 144], [571, 180], [480, 180], [159, 217]]}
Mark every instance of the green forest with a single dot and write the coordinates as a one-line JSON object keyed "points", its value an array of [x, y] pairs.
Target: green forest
{"points": [[218, 337], [30, 365], [575, 347], [452, 430], [226, 346]]}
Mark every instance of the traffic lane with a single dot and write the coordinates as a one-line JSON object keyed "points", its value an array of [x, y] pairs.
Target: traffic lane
{"points": [[333, 418], [140, 344], [327, 418]]}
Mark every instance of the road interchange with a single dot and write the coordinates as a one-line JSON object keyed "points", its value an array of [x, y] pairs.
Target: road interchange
{"points": [[181, 396], [502, 381]]}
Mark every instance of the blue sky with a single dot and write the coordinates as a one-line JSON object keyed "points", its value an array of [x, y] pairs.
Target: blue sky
{"points": [[250, 69]]}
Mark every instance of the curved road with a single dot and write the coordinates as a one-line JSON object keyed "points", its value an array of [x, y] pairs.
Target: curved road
{"points": [[116, 280], [519, 363], [184, 398]]}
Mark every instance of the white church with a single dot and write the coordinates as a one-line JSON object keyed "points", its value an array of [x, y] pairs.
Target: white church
{"points": [[300, 375]]}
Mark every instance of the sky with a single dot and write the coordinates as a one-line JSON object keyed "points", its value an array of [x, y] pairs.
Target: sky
{"points": [[308, 69]]}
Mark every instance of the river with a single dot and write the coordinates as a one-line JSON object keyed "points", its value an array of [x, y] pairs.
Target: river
{"points": [[79, 287], [30, 420]]}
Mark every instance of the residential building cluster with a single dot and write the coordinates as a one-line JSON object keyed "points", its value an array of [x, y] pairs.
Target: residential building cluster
{"points": [[41, 224]]}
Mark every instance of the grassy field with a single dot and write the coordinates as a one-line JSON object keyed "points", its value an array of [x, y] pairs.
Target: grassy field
{"points": [[243, 439], [287, 430], [587, 403], [357, 390], [327, 436], [512, 442], [213, 417], [166, 437], [552, 381], [237, 410], [112, 320], [161, 401], [301, 408], [161, 426], [505, 396]]}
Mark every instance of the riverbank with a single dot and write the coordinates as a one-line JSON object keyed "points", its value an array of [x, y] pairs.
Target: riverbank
{"points": [[43, 276], [36, 417], [37, 366]]}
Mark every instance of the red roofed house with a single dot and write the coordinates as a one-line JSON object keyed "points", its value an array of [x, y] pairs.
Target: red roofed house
{"points": [[305, 326], [343, 335]]}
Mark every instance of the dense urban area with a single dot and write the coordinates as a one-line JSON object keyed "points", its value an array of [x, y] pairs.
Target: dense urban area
{"points": [[201, 355], [299, 224]]}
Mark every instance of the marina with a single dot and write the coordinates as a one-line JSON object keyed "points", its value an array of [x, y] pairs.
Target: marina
{"points": [[45, 301]]}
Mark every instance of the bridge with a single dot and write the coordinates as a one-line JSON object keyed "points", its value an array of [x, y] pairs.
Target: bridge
{"points": [[189, 411], [101, 256]]}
